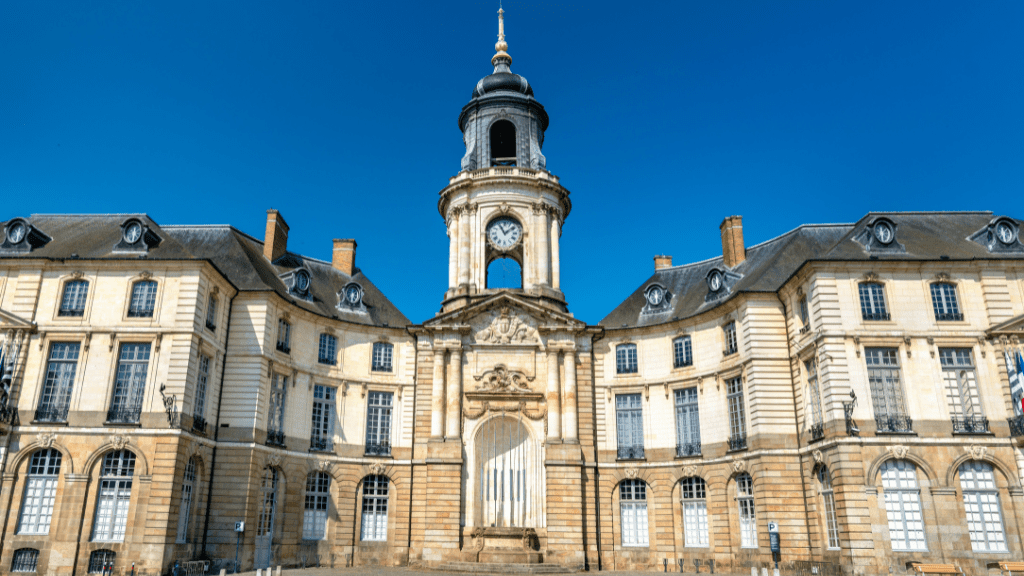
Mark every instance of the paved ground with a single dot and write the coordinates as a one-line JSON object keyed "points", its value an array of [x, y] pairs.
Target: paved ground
{"points": [[375, 571]]}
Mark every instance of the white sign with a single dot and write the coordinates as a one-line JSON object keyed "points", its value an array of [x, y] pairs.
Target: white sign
{"points": [[773, 527], [239, 526]]}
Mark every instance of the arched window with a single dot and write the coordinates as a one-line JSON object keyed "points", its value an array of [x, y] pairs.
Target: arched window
{"points": [[264, 553], [503, 143], [188, 489], [872, 301], [625, 359], [504, 273], [143, 299], [944, 302], [383, 352], [375, 508], [314, 520], [25, 560], [981, 503], [633, 512], [695, 512], [72, 303], [40, 491], [903, 505], [101, 560], [682, 352], [115, 494], [748, 518], [829, 501]]}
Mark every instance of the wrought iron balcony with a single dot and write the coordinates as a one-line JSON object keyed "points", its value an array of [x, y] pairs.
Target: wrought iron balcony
{"points": [[9, 414], [275, 437], [688, 449], [282, 347], [378, 449], [817, 431], [320, 444], [949, 316], [124, 415], [211, 326], [199, 424], [738, 442], [876, 316], [140, 313], [328, 361], [1016, 426], [897, 423], [52, 414], [631, 453], [970, 425]]}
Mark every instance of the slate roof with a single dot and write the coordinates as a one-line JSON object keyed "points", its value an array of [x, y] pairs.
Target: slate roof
{"points": [[238, 256], [925, 236]]}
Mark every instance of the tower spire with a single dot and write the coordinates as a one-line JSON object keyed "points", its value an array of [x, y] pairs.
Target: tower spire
{"points": [[501, 60]]}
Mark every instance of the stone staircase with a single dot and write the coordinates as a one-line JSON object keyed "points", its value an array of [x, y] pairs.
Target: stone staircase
{"points": [[502, 568]]}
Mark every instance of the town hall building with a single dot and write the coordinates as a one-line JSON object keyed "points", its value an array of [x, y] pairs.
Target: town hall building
{"points": [[178, 392]]}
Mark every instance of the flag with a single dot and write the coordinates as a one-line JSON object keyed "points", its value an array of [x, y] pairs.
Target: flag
{"points": [[1016, 384]]}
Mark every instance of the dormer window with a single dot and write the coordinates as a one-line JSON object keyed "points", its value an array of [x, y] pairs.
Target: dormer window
{"points": [[16, 232], [298, 283], [715, 281], [880, 235], [136, 236], [503, 143], [350, 299], [720, 283], [20, 236], [1001, 234], [884, 232], [657, 298], [1006, 232], [302, 282]]}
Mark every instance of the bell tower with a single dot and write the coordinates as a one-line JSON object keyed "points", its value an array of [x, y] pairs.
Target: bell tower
{"points": [[503, 207]]}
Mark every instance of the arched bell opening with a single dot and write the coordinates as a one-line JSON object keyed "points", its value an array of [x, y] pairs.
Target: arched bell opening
{"points": [[506, 474], [504, 272], [503, 143]]}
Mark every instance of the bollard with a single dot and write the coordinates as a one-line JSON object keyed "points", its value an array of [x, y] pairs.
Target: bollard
{"points": [[278, 571], [223, 572], [711, 564], [133, 569], [664, 561], [259, 572], [681, 566], [753, 571], [764, 571], [696, 565]]}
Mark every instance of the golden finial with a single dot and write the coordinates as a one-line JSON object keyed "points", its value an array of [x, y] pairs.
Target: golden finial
{"points": [[501, 46]]}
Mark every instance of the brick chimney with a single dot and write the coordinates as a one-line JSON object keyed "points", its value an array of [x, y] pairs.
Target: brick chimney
{"points": [[662, 262], [275, 242], [733, 251], [344, 257]]}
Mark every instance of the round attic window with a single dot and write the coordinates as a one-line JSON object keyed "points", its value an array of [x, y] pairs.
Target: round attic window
{"points": [[16, 233], [655, 295], [302, 281], [132, 233], [353, 294], [1006, 232], [715, 281], [884, 232]]}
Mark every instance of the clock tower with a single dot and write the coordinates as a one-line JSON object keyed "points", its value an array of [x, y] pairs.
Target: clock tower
{"points": [[503, 210]]}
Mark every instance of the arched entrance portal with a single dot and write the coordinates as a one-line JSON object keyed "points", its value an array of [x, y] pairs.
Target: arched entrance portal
{"points": [[508, 474]]}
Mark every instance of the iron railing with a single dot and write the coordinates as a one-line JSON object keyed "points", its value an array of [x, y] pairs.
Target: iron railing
{"points": [[970, 425], [320, 444], [211, 326], [124, 415], [817, 431], [282, 347], [378, 448], [688, 449], [1016, 426], [879, 316], [275, 437], [25, 560], [738, 442], [55, 413], [949, 316], [631, 453], [199, 424], [896, 423]]}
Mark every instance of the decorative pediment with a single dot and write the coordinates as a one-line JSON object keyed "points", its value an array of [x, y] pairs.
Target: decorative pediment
{"points": [[506, 325], [1012, 327], [501, 380], [490, 308], [10, 321]]}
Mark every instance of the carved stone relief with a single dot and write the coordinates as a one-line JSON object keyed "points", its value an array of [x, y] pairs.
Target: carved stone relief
{"points": [[899, 451], [507, 326], [501, 379]]}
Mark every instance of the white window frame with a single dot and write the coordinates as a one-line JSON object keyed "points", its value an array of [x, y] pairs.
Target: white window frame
{"points": [[322, 414], [961, 382], [113, 498], [682, 352], [380, 408], [814, 391], [61, 368], [737, 408], [202, 381], [633, 516], [903, 506], [40, 492], [374, 525], [130, 383], [278, 400], [747, 511], [828, 498], [694, 501], [626, 361], [188, 489], [383, 355], [318, 496], [284, 336], [945, 302], [142, 303], [732, 342], [74, 297], [211, 312], [872, 302], [983, 507], [328, 350], [687, 421], [629, 426]]}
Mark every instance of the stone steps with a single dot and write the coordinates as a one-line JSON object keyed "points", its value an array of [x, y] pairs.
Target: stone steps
{"points": [[495, 568]]}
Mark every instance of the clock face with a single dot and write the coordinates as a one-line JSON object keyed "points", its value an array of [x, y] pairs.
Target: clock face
{"points": [[504, 232], [1005, 233], [16, 233], [883, 232], [302, 281], [352, 295], [715, 282], [132, 233], [655, 295]]}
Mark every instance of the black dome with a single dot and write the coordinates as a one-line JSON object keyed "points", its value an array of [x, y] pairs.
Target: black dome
{"points": [[502, 81]]}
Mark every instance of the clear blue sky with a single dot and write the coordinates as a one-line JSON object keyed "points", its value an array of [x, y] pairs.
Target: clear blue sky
{"points": [[665, 118]]}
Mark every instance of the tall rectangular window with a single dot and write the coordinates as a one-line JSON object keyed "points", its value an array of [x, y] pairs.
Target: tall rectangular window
{"points": [[748, 518], [60, 379], [944, 302], [737, 414], [130, 386], [143, 301], [682, 352], [378, 423], [961, 385], [828, 498], [625, 359], [629, 420], [284, 336], [903, 505], [202, 379], [322, 435], [981, 503], [375, 508], [731, 344], [872, 301], [382, 354], [318, 493], [814, 398], [278, 395], [211, 312], [40, 492], [805, 315], [328, 353], [687, 423], [114, 496], [887, 397], [695, 512], [633, 512], [188, 488], [72, 303]]}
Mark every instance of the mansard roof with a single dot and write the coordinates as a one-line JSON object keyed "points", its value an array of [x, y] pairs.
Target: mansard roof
{"points": [[922, 236], [238, 257]]}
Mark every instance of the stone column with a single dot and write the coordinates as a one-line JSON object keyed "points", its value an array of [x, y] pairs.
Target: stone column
{"points": [[463, 246], [554, 405], [453, 251], [454, 416], [569, 398], [542, 246], [554, 250], [437, 405]]}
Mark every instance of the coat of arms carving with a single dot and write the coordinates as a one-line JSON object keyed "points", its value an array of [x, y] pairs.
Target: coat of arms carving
{"points": [[506, 328], [501, 379]]}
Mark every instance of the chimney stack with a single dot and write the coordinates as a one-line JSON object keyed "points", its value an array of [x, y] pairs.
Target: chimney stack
{"points": [[275, 242], [733, 251], [344, 257], [662, 262]]}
